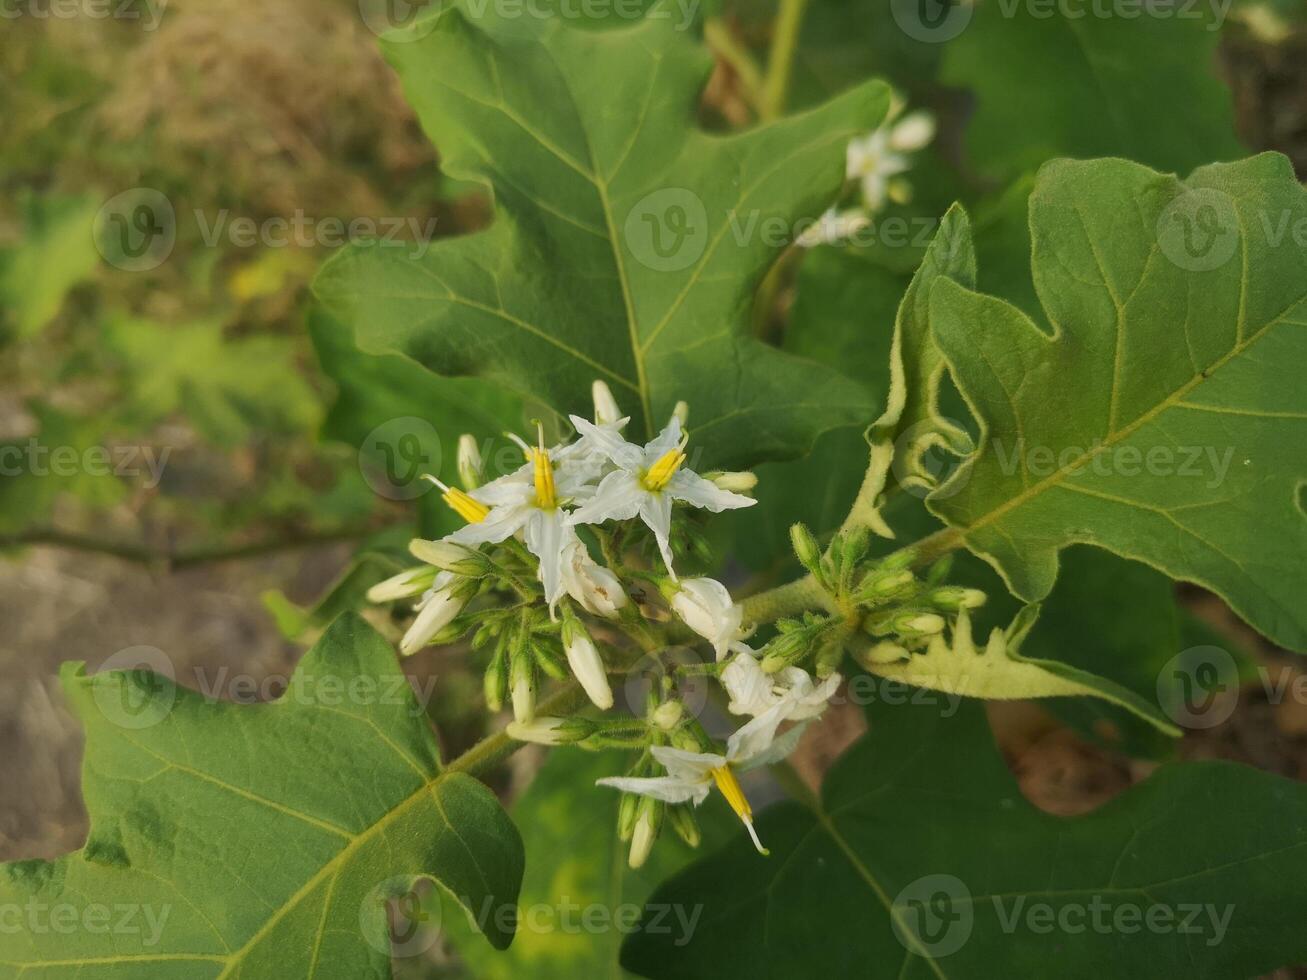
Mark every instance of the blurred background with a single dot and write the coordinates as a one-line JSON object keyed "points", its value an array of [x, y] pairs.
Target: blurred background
{"points": [[192, 450]]}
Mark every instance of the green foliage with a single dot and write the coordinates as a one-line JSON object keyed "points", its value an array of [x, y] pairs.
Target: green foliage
{"points": [[56, 253], [1117, 381], [948, 871], [262, 840], [598, 264]]}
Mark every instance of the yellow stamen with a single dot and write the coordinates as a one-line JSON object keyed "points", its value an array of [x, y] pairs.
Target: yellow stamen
{"points": [[464, 505], [546, 495], [662, 471], [725, 779]]}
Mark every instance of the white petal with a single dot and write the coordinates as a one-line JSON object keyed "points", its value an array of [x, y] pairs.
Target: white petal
{"points": [[617, 498], [756, 737], [912, 132], [750, 689], [665, 788], [500, 525], [698, 492], [689, 766], [874, 191], [546, 537], [605, 439], [656, 512], [664, 442], [780, 747]]}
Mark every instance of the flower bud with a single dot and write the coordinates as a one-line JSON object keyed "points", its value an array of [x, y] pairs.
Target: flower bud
{"points": [[682, 412], [668, 715], [587, 666], [741, 481], [470, 468], [648, 822], [606, 410], [687, 828], [447, 556], [405, 585], [437, 609], [522, 684], [953, 598], [627, 810], [784, 651], [805, 547], [884, 652], [828, 659], [496, 682], [917, 624], [546, 730]]}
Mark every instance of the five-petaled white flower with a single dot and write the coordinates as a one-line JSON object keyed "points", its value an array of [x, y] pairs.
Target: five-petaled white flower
{"points": [[705, 605], [875, 159], [754, 692], [833, 227], [533, 506], [647, 480], [691, 775]]}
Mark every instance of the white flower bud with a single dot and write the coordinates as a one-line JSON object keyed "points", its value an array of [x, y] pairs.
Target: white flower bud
{"points": [[405, 585], [668, 715], [735, 482], [646, 832], [470, 468], [524, 700], [597, 589], [706, 607], [445, 555], [588, 667], [682, 412], [546, 730], [437, 610], [606, 410]]}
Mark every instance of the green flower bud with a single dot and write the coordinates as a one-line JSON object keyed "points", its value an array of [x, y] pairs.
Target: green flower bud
{"points": [[470, 468], [551, 731], [686, 826], [805, 548], [448, 557], [627, 810], [496, 681]]}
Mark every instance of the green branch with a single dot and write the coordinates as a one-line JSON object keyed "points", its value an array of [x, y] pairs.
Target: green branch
{"points": [[780, 61]]}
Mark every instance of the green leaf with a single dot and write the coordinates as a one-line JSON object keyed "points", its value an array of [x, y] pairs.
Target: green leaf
{"points": [[579, 897], [57, 252], [1162, 418], [626, 245], [1140, 87], [260, 840], [923, 860], [228, 388]]}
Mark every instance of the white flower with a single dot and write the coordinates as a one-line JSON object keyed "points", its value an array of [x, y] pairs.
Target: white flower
{"points": [[598, 590], [754, 692], [436, 610], [691, 775], [408, 583], [646, 482], [587, 666], [833, 227], [882, 154], [533, 508], [705, 605]]}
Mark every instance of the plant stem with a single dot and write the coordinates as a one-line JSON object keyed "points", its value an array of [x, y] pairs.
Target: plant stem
{"points": [[780, 61], [494, 749], [727, 46]]}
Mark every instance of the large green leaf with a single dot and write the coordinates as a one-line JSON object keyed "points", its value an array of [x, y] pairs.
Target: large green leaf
{"points": [[257, 840], [923, 860], [1143, 87], [626, 245], [579, 898], [1162, 418]]}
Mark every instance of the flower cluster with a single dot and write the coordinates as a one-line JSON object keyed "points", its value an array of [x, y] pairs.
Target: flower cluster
{"points": [[548, 578], [877, 163]]}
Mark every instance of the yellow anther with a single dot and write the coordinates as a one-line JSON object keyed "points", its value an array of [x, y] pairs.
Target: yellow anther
{"points": [[464, 505], [730, 787], [546, 494], [662, 471]]}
